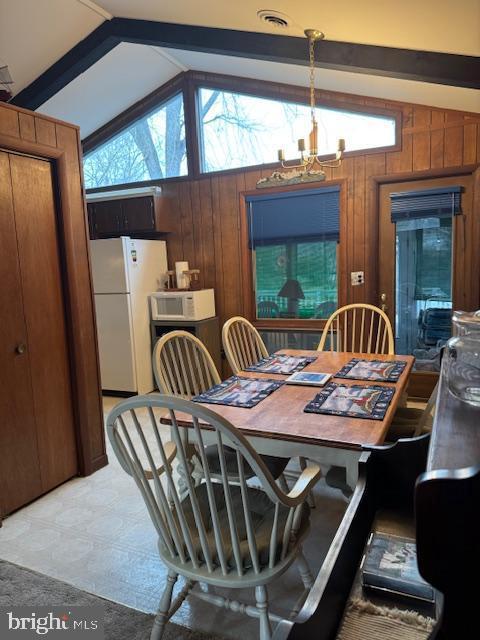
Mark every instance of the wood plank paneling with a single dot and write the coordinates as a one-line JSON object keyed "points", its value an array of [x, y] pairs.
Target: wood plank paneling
{"points": [[45, 130], [374, 166], [437, 140], [9, 124], [27, 127], [421, 141], [453, 143], [469, 144], [75, 229]]}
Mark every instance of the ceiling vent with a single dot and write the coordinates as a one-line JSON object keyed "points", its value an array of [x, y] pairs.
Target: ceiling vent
{"points": [[274, 18]]}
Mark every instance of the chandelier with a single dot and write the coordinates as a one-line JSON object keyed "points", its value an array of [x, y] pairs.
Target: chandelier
{"points": [[310, 166]]}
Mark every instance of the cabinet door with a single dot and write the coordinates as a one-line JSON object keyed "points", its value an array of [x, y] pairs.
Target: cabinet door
{"points": [[107, 218], [44, 310], [19, 465], [138, 214]]}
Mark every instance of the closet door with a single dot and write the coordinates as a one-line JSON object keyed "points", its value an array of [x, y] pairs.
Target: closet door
{"points": [[44, 311], [20, 479]]}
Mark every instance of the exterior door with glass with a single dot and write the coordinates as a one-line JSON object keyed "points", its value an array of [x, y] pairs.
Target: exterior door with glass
{"points": [[428, 266]]}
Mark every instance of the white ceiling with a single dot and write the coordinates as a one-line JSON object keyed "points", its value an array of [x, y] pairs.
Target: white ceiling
{"points": [[129, 72], [126, 74], [436, 25], [34, 34]]}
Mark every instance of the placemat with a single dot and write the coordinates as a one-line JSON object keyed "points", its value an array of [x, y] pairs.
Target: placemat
{"points": [[379, 370], [281, 363], [356, 401], [239, 392]]}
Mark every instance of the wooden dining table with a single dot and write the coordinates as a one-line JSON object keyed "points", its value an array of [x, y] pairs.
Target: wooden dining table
{"points": [[278, 425]]}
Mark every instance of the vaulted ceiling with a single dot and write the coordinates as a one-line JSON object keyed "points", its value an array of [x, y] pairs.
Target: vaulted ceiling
{"points": [[92, 89]]}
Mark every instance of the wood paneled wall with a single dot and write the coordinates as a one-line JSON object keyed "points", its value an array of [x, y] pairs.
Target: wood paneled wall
{"points": [[207, 210], [33, 134]]}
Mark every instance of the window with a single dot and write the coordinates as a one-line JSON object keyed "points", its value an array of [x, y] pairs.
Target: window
{"points": [[242, 130], [424, 268], [293, 237], [149, 149]]}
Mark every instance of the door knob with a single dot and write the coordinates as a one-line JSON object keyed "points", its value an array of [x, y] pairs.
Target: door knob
{"points": [[383, 298], [20, 348]]}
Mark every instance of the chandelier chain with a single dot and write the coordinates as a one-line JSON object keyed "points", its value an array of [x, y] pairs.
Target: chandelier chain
{"points": [[312, 77], [309, 157]]}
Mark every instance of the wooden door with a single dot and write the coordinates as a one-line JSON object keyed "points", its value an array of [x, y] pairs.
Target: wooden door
{"points": [[20, 480], [138, 214], [464, 269], [34, 246]]}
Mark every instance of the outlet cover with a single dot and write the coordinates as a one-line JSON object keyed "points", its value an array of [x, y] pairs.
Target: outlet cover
{"points": [[358, 277]]}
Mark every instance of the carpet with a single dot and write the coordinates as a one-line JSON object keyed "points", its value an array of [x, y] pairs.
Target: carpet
{"points": [[366, 621], [20, 586]]}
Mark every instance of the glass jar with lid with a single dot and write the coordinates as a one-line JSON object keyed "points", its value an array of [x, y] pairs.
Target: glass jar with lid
{"points": [[463, 357]]}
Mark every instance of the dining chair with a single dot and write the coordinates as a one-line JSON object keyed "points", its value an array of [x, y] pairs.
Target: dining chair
{"points": [[184, 368], [221, 535], [243, 346], [360, 328], [182, 365], [268, 309], [410, 422]]}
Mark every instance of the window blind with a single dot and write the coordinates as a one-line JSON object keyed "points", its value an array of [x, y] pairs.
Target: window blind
{"points": [[294, 216], [427, 203]]}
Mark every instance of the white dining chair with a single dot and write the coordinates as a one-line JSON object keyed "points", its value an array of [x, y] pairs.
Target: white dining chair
{"points": [[242, 344], [184, 368], [223, 535], [358, 328], [410, 422]]}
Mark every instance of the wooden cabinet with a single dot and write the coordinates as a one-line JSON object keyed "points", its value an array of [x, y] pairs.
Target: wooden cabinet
{"points": [[141, 216], [207, 331]]}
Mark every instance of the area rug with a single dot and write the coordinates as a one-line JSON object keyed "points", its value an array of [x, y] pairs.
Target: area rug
{"points": [[20, 586], [365, 621]]}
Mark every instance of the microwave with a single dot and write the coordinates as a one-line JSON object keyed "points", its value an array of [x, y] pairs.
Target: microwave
{"points": [[182, 305]]}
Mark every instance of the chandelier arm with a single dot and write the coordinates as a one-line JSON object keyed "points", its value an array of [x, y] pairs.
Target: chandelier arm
{"points": [[333, 164], [302, 165]]}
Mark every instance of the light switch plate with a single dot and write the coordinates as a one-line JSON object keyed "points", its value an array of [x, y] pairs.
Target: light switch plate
{"points": [[358, 277]]}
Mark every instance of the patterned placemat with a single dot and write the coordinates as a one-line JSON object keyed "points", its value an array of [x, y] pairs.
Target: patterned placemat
{"points": [[356, 401], [239, 392], [378, 370], [281, 363]]}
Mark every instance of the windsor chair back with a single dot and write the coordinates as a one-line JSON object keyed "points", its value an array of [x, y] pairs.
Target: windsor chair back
{"points": [[358, 328], [225, 535], [242, 344], [183, 366]]}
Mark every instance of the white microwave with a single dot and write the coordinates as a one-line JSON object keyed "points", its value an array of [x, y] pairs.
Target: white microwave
{"points": [[182, 305]]}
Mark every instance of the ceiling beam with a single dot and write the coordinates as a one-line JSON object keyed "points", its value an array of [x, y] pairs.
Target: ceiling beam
{"points": [[424, 66]]}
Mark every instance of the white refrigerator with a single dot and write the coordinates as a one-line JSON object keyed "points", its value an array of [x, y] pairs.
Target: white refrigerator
{"points": [[125, 272]]}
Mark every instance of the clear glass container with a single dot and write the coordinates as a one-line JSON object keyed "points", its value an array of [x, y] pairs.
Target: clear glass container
{"points": [[463, 357]]}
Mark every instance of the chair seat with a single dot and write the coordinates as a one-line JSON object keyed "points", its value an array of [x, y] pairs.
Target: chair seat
{"points": [[275, 465], [262, 512], [404, 423]]}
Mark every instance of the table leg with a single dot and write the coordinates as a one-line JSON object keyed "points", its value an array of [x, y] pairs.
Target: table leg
{"points": [[352, 473]]}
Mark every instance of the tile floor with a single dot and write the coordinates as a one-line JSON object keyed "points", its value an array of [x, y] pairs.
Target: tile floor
{"points": [[95, 533]]}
